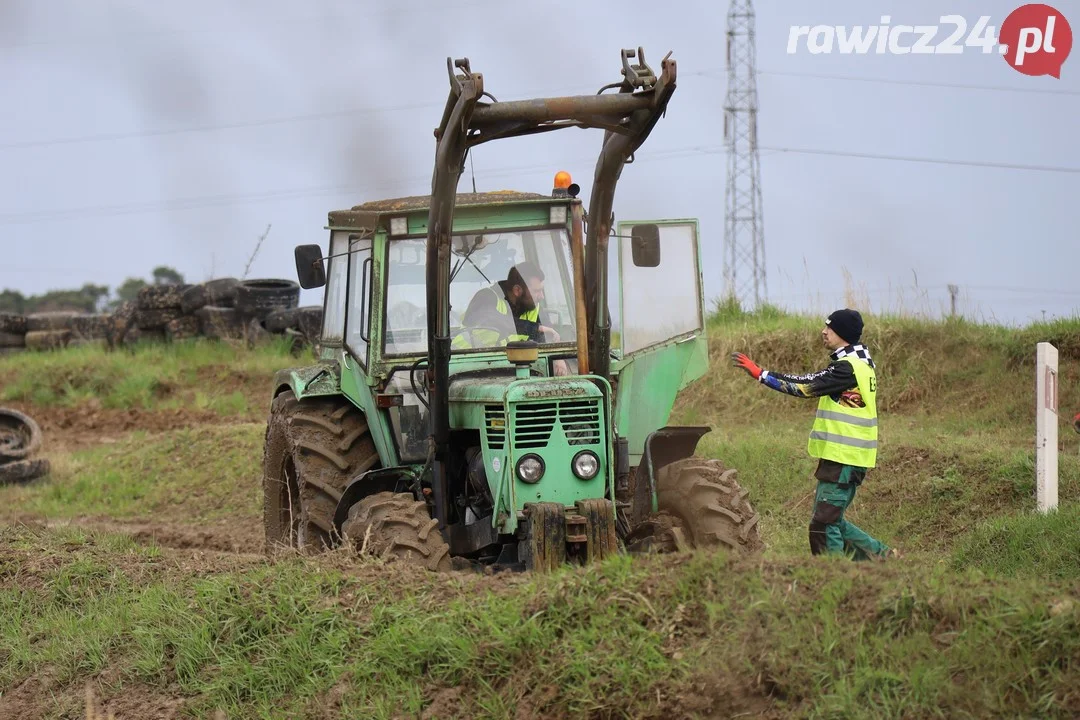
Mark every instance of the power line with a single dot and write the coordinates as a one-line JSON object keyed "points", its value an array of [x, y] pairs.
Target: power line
{"points": [[931, 160], [354, 112], [192, 203], [288, 120], [690, 151], [113, 38], [921, 83], [926, 289], [267, 122]]}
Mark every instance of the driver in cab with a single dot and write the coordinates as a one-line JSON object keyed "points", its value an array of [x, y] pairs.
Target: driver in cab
{"points": [[509, 311]]}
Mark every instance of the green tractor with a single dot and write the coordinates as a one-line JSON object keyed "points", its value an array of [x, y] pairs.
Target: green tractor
{"points": [[449, 438]]}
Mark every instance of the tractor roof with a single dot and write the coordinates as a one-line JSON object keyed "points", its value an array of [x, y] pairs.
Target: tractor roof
{"points": [[367, 214]]}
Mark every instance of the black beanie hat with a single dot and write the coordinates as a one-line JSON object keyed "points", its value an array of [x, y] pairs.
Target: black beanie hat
{"points": [[847, 324]]}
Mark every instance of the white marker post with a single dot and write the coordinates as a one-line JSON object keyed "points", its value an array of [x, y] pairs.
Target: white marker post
{"points": [[1046, 427]]}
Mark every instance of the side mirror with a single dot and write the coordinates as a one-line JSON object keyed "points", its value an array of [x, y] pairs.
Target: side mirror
{"points": [[310, 270], [645, 245]]}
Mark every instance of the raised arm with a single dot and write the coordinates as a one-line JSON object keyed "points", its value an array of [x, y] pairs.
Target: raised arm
{"points": [[833, 380]]}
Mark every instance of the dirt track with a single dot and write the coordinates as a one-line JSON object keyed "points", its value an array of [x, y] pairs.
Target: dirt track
{"points": [[72, 429]]}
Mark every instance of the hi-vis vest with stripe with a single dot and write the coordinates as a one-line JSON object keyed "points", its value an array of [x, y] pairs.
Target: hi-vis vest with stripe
{"points": [[483, 337], [845, 434]]}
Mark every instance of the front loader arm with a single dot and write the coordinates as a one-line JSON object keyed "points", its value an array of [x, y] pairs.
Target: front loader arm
{"points": [[450, 149], [627, 117]]}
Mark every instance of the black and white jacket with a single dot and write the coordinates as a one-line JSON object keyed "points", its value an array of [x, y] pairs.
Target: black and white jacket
{"points": [[834, 380]]}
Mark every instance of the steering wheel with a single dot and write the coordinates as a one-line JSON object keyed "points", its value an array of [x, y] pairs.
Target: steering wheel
{"points": [[501, 332]]}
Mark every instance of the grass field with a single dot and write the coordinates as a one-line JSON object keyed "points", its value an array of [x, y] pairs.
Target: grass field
{"points": [[135, 571]]}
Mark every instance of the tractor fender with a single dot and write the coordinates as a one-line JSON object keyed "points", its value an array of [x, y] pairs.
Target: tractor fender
{"points": [[393, 479], [311, 381], [665, 446]]}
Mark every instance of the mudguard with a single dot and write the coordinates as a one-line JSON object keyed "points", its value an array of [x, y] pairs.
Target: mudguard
{"points": [[394, 479], [665, 446], [310, 381]]}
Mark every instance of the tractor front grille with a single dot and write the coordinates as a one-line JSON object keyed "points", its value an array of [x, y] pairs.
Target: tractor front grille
{"points": [[495, 426], [579, 419]]}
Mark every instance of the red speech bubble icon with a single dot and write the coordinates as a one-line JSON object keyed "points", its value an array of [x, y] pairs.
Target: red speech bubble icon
{"points": [[1038, 40]]}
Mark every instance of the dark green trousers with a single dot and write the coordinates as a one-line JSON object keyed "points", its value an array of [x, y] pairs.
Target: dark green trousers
{"points": [[829, 531]]}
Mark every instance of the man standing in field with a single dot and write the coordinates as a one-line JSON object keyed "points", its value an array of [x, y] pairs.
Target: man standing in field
{"points": [[844, 434]]}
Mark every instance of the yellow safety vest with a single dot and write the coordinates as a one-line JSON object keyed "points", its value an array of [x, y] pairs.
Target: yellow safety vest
{"points": [[483, 337], [848, 435]]}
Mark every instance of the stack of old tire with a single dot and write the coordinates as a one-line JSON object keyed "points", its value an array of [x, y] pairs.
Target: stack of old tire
{"points": [[20, 439], [51, 330], [252, 310], [220, 309], [12, 333]]}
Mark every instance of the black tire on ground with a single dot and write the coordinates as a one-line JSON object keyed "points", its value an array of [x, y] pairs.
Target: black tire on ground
{"points": [[47, 339], [183, 328], [20, 436], [314, 447], [90, 327], [297, 342], [46, 321], [12, 323], [155, 319], [160, 297], [221, 292], [193, 298], [258, 298], [22, 471], [281, 320], [137, 335], [256, 334], [123, 318], [12, 340], [309, 322], [702, 506], [397, 526], [220, 323]]}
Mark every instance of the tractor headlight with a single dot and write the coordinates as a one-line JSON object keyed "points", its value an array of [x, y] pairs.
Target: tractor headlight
{"points": [[557, 214], [530, 468], [585, 465], [399, 226]]}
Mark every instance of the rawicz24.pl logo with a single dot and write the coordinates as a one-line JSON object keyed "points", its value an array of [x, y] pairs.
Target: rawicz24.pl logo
{"points": [[1035, 39]]}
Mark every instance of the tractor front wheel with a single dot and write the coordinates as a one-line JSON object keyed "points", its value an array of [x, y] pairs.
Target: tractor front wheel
{"points": [[700, 505], [397, 526]]}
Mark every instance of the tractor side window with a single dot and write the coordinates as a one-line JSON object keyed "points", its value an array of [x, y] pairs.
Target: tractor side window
{"points": [[613, 297], [359, 298], [663, 302], [334, 319], [405, 326]]}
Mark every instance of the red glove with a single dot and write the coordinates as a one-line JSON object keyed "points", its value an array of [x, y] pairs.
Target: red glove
{"points": [[740, 360]]}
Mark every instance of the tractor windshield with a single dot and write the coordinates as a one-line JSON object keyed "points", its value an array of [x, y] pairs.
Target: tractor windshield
{"points": [[486, 308]]}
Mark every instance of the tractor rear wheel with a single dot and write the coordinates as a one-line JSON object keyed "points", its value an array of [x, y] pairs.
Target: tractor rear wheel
{"points": [[314, 447], [701, 505], [397, 526]]}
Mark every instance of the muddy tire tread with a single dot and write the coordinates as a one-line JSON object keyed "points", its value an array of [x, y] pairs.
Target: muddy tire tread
{"points": [[310, 432], [711, 505], [397, 526]]}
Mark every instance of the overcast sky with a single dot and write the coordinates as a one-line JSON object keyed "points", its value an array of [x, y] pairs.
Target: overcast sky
{"points": [[140, 133]]}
